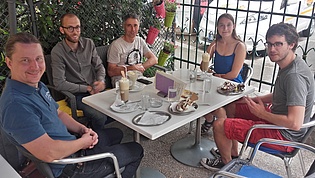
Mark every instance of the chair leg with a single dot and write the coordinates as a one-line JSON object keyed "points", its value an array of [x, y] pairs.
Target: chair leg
{"points": [[302, 162], [287, 162]]}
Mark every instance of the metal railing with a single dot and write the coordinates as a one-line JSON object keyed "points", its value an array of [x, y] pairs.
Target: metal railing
{"points": [[193, 40]]}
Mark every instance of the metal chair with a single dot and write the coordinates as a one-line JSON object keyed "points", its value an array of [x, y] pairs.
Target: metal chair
{"points": [[247, 73], [285, 156], [62, 96], [44, 168], [240, 168], [102, 52]]}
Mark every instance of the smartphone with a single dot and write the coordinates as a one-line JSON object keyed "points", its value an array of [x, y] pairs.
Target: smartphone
{"points": [[144, 81]]}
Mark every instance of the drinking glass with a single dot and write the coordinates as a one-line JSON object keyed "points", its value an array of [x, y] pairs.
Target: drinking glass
{"points": [[172, 94], [145, 102], [124, 89], [207, 82], [192, 75]]}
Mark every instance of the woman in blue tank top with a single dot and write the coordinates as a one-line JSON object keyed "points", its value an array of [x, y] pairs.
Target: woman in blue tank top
{"points": [[229, 54]]}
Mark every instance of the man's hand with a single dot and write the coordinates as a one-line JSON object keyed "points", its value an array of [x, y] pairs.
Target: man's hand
{"points": [[90, 138], [97, 87], [255, 108], [139, 67]]}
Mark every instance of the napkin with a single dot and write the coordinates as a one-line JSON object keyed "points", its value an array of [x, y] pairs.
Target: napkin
{"points": [[152, 118]]}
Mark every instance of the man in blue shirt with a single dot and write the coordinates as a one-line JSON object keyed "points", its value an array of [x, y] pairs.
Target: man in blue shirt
{"points": [[31, 118]]}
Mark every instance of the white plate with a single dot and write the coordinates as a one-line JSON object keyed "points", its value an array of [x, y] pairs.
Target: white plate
{"points": [[153, 119], [224, 92], [129, 107], [172, 109], [137, 87]]}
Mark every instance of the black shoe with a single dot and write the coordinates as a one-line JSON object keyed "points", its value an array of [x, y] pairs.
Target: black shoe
{"points": [[215, 152], [212, 164]]}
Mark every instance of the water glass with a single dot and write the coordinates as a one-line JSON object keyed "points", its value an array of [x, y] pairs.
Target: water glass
{"points": [[117, 87], [192, 75], [145, 101], [207, 82], [156, 102], [172, 94]]}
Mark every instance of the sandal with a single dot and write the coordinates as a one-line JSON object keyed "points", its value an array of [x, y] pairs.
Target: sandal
{"points": [[206, 126], [216, 153]]}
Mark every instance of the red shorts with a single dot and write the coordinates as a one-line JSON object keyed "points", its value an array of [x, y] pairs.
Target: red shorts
{"points": [[237, 128]]}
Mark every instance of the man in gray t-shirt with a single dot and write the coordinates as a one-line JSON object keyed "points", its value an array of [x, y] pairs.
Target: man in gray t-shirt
{"points": [[291, 102], [129, 50]]}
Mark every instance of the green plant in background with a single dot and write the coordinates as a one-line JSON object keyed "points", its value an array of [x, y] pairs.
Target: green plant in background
{"points": [[100, 20], [170, 6], [155, 22], [2, 62], [169, 47]]}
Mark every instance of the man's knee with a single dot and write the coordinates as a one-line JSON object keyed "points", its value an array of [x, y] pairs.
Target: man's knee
{"points": [[218, 125]]}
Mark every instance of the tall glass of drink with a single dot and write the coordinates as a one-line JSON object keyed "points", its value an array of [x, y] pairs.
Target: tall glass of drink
{"points": [[124, 89], [205, 63]]}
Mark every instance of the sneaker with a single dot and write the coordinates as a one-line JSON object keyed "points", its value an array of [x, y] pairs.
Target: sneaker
{"points": [[216, 153], [212, 164], [206, 126]]}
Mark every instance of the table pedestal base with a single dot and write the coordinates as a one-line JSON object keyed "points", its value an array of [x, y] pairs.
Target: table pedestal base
{"points": [[188, 152], [146, 172]]}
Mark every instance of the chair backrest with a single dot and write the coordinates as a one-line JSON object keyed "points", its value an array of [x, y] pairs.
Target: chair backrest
{"points": [[56, 95], [43, 167], [102, 52], [9, 152], [247, 73]]}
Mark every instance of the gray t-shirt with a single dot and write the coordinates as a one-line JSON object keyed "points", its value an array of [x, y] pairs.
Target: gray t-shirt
{"points": [[294, 87], [123, 53]]}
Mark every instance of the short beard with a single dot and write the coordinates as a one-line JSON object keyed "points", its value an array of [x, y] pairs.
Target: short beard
{"points": [[70, 39]]}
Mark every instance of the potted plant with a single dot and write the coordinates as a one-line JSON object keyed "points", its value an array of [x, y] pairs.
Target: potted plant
{"points": [[170, 7], [168, 48], [159, 6], [154, 30]]}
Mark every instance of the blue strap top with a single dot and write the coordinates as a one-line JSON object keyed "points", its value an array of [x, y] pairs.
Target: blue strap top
{"points": [[223, 65]]}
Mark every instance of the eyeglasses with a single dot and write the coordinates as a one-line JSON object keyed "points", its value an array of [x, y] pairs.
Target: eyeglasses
{"points": [[71, 28], [276, 44]]}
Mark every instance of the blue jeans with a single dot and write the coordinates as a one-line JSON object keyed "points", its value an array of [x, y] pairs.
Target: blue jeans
{"points": [[129, 155], [98, 119]]}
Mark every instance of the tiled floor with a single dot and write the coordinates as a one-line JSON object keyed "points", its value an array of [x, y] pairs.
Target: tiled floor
{"points": [[157, 156]]}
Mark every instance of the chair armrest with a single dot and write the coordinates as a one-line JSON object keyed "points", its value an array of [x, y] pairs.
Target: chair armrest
{"points": [[280, 142], [226, 174], [90, 158], [268, 126], [84, 158]]}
